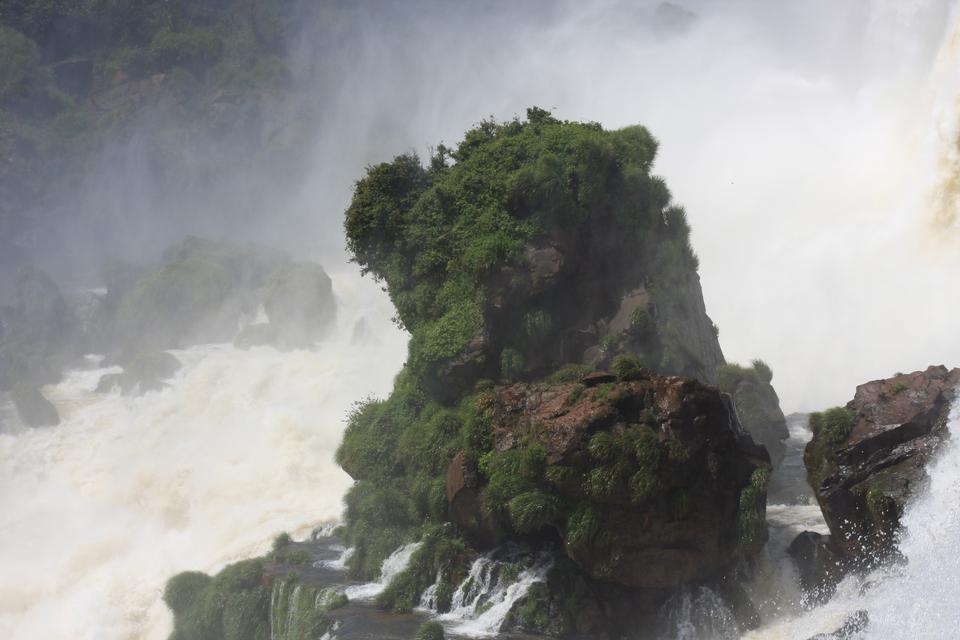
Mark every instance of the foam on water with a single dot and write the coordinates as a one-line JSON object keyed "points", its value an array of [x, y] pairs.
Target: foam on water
{"points": [[99, 512]]}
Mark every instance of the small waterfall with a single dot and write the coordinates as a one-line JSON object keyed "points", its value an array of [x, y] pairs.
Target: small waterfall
{"points": [[429, 600], [392, 566], [699, 613], [337, 564], [482, 601], [296, 610]]}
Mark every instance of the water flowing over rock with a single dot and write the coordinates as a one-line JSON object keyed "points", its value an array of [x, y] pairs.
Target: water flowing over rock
{"points": [[867, 467]]}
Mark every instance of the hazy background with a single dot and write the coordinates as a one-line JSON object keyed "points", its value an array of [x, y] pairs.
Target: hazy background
{"points": [[803, 137]]}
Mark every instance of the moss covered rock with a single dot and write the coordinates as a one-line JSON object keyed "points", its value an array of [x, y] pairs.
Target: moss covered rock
{"points": [[648, 483]]}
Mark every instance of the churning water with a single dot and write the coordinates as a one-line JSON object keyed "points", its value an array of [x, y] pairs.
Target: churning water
{"points": [[101, 510]]}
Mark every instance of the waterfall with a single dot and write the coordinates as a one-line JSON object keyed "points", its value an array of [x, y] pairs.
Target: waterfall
{"points": [[484, 598], [697, 613], [296, 610], [392, 567]]}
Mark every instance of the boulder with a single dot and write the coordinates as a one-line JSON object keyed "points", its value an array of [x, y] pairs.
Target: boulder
{"points": [[32, 407], [819, 563], [667, 486], [145, 372], [867, 460]]}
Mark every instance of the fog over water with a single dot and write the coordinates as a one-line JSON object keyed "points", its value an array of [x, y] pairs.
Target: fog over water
{"points": [[805, 140]]}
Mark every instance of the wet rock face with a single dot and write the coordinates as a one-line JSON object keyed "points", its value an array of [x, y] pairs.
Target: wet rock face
{"points": [[662, 477], [820, 564], [865, 474]]}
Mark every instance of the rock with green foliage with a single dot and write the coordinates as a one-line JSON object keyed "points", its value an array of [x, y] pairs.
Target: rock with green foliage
{"points": [[233, 605], [867, 460], [259, 599], [521, 262], [758, 406], [647, 483], [532, 245]]}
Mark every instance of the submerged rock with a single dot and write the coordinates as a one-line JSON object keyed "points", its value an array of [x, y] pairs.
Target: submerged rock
{"points": [[867, 460], [33, 408]]}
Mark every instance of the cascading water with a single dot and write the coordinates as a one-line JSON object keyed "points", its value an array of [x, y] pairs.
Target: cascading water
{"points": [[100, 511], [394, 565], [484, 598]]}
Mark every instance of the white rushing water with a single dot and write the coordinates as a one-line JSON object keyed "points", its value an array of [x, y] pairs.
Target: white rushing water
{"points": [[101, 510], [484, 598], [393, 566]]}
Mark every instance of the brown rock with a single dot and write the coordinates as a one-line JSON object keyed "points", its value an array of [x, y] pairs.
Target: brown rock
{"points": [[688, 528], [867, 480]]}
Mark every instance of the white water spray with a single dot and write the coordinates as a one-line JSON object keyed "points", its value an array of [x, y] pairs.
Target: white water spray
{"points": [[99, 512]]}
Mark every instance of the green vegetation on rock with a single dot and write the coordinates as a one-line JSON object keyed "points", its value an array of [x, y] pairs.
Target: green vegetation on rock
{"points": [[233, 605], [830, 430], [479, 253]]}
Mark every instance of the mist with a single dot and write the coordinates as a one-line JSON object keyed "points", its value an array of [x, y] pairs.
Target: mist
{"points": [[812, 144], [804, 141]]}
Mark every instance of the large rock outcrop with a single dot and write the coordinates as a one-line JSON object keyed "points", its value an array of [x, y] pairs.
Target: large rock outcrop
{"points": [[757, 405], [649, 482], [545, 254], [868, 459]]}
